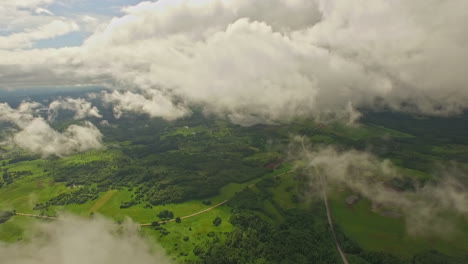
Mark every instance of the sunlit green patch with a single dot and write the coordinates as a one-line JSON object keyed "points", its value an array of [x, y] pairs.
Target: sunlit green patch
{"points": [[375, 232]]}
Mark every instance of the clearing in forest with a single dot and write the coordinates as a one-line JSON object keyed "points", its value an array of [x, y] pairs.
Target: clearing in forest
{"points": [[101, 201]]}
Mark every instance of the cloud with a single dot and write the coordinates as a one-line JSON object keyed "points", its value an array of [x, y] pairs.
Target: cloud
{"points": [[26, 39], [153, 104], [425, 208], [41, 10], [25, 3], [268, 61], [79, 106], [73, 240], [25, 23], [37, 136], [19, 15]]}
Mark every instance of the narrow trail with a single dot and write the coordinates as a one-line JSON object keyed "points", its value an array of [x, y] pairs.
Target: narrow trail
{"points": [[160, 222], [38, 216], [330, 221], [148, 224], [323, 187], [281, 174], [188, 216]]}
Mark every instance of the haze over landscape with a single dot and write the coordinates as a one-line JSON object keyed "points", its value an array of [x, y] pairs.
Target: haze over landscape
{"points": [[233, 131]]}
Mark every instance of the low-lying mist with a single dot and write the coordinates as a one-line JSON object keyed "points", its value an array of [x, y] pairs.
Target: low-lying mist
{"points": [[74, 240]]}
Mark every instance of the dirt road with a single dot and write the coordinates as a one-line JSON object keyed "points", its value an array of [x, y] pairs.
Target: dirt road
{"points": [[160, 222], [188, 216], [38, 216], [330, 222], [323, 187]]}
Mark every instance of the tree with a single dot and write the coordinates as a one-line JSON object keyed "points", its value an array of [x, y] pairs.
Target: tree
{"points": [[206, 202], [217, 221], [165, 214], [5, 216], [178, 220]]}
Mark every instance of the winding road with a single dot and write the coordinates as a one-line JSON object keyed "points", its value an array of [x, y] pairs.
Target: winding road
{"points": [[148, 224], [188, 216]]}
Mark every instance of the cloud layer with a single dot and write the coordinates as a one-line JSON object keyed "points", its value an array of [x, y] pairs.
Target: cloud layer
{"points": [[72, 240], [267, 60]]}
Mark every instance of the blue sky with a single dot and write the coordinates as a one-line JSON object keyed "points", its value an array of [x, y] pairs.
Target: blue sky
{"points": [[33, 24], [102, 9]]}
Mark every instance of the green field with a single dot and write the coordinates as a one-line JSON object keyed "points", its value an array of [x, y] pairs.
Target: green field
{"points": [[375, 232]]}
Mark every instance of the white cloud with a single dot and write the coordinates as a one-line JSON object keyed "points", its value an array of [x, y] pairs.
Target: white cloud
{"points": [[18, 15], [425, 209], [23, 23], [154, 104], [79, 106], [25, 3], [37, 136], [74, 240], [27, 38], [265, 61], [40, 138], [41, 10]]}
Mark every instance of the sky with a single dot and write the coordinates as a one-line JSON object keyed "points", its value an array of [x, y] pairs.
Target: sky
{"points": [[32, 14], [250, 62]]}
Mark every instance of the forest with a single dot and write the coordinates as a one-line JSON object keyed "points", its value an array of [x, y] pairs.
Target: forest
{"points": [[156, 166]]}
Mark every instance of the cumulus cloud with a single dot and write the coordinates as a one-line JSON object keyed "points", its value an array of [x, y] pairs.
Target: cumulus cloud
{"points": [[24, 23], [73, 240], [424, 208], [37, 136], [79, 106], [154, 104], [267, 61]]}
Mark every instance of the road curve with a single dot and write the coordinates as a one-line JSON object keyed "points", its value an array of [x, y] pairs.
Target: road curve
{"points": [[188, 216]]}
